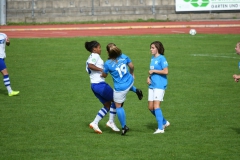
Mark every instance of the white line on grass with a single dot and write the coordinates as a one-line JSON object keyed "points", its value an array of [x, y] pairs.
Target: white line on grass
{"points": [[212, 55]]}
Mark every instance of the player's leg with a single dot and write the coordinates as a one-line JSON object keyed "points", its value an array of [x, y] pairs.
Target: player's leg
{"points": [[153, 106], [119, 98], [107, 94], [159, 117], [165, 122], [121, 117], [94, 124], [6, 79], [150, 101], [112, 114], [137, 91], [98, 90]]}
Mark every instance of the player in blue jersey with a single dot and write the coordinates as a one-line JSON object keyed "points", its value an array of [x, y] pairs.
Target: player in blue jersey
{"points": [[117, 65], [4, 40], [157, 82], [100, 88], [133, 88], [235, 76]]}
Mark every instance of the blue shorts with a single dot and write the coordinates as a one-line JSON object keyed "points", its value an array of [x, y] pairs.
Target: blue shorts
{"points": [[2, 64], [102, 91]]}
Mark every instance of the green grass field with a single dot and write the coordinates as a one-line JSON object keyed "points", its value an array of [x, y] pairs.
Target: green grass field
{"points": [[50, 117]]}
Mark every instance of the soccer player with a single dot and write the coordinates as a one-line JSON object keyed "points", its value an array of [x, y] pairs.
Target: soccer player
{"points": [[133, 88], [237, 48], [100, 88], [4, 40], [157, 81], [117, 65]]}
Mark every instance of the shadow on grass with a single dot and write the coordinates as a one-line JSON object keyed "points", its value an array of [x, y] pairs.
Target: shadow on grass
{"points": [[236, 129], [3, 92], [152, 126]]}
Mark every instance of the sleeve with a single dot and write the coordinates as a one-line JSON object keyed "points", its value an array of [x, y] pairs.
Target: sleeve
{"points": [[5, 36], [127, 58], [164, 63], [105, 68], [93, 59]]}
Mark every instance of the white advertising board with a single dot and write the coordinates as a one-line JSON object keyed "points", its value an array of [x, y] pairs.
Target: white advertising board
{"points": [[206, 5]]}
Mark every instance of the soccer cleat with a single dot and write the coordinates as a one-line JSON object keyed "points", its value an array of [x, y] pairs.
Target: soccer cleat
{"points": [[113, 126], [13, 93], [124, 130], [166, 125], [158, 131], [139, 94], [94, 126]]}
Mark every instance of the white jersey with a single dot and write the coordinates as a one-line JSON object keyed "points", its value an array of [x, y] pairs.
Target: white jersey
{"points": [[3, 38], [96, 60]]}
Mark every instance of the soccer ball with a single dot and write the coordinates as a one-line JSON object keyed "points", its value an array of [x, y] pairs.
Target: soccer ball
{"points": [[192, 32]]}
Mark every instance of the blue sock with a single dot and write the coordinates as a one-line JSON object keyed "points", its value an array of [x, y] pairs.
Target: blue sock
{"points": [[134, 89], [159, 118], [152, 111], [164, 120], [121, 116]]}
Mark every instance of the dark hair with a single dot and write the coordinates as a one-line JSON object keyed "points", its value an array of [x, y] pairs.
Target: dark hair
{"points": [[159, 47], [114, 52], [90, 45]]}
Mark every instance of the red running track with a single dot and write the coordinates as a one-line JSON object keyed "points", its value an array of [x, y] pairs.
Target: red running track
{"points": [[110, 29]]}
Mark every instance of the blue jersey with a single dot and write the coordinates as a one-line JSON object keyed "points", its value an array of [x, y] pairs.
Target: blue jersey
{"points": [[158, 81], [119, 71]]}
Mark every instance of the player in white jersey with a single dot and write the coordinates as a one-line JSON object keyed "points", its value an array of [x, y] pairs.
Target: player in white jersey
{"points": [[117, 65], [157, 82], [100, 88], [4, 40]]}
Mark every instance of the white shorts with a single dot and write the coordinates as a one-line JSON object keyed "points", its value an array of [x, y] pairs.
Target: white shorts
{"points": [[155, 94], [120, 96]]}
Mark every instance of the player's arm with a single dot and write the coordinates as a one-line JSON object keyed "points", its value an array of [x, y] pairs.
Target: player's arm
{"points": [[105, 71], [131, 67], [148, 80], [7, 41], [236, 77], [94, 68], [104, 75], [164, 71]]}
